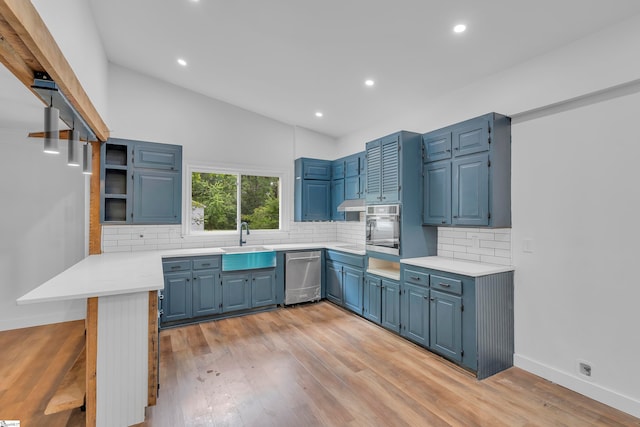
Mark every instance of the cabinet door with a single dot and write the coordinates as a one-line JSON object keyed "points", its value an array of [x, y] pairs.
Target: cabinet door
{"points": [[390, 305], [390, 170], [236, 292], [206, 292], [352, 288], [446, 324], [177, 301], [374, 172], [263, 288], [436, 209], [352, 165], [415, 314], [334, 282], [352, 188], [157, 156], [372, 299], [436, 145], [315, 198], [470, 137], [337, 169], [470, 204], [337, 197], [157, 197], [316, 169]]}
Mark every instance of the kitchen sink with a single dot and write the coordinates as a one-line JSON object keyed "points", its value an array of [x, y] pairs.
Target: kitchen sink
{"points": [[238, 258]]}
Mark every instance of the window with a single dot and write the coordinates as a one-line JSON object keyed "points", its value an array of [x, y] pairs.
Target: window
{"points": [[221, 200]]}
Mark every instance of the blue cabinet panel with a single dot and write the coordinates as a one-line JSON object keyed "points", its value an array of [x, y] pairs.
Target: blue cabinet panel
{"points": [[372, 299], [177, 298], [316, 169], [446, 324], [352, 188], [352, 288], [157, 156], [334, 282], [471, 137], [390, 305], [337, 169], [157, 197], [436, 145], [436, 208], [470, 204], [337, 197], [352, 165], [390, 170], [236, 292], [415, 313], [374, 172], [316, 200], [263, 288], [206, 292]]}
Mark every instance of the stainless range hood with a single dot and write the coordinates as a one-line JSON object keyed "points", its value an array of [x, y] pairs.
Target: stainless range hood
{"points": [[355, 205]]}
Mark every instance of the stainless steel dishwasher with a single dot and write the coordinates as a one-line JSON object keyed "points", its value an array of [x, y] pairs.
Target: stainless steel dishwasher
{"points": [[302, 277]]}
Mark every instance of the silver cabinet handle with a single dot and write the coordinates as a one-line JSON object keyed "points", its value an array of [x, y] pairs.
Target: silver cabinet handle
{"points": [[444, 285], [415, 278]]}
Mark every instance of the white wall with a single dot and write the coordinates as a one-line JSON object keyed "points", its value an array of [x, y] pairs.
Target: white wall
{"points": [[42, 228]]}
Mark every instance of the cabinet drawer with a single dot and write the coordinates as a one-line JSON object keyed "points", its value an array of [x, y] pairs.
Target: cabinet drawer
{"points": [[416, 277], [446, 284], [344, 258], [171, 266], [204, 263]]}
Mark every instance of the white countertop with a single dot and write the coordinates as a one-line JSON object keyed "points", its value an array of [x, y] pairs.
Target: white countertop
{"points": [[450, 265], [131, 272]]}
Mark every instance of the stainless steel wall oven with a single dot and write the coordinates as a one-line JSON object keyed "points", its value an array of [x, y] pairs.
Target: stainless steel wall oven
{"points": [[383, 229]]}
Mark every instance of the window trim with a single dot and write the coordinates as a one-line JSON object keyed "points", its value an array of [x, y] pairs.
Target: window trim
{"points": [[283, 189]]}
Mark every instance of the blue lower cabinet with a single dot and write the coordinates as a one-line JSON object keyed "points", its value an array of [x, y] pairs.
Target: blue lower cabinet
{"points": [[372, 299], [263, 288], [206, 292], [446, 324], [353, 280], [176, 297], [334, 282], [390, 305], [236, 292], [415, 313]]}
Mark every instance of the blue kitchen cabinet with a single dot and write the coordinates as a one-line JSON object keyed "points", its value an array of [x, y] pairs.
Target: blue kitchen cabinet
{"points": [[372, 298], [177, 297], [263, 288], [470, 198], [352, 188], [374, 172], [236, 292], [345, 279], [414, 307], [446, 325], [390, 305], [355, 179], [353, 279], [337, 197], [337, 169], [140, 182], [476, 190], [206, 292], [437, 193], [312, 188]]}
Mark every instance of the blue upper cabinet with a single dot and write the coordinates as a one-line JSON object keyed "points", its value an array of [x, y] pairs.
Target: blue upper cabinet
{"points": [[337, 197], [337, 169], [390, 169], [140, 182], [436, 145], [374, 172], [352, 165], [312, 190], [475, 188]]}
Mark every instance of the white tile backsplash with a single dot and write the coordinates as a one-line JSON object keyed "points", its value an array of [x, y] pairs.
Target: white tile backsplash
{"points": [[123, 238], [490, 245]]}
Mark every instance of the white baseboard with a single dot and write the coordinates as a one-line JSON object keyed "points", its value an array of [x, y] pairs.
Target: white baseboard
{"points": [[44, 319], [587, 388]]}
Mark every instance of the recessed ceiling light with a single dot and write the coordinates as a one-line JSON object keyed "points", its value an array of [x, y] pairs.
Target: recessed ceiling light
{"points": [[182, 62], [369, 82], [319, 114], [460, 28]]}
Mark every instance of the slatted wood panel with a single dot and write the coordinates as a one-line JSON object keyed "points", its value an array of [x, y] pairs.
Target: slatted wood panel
{"points": [[318, 365]]}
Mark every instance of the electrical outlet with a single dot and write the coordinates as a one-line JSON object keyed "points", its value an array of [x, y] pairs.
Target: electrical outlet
{"points": [[584, 368]]}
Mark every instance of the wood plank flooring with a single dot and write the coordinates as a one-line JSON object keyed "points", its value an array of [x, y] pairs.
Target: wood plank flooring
{"points": [[318, 365], [33, 362]]}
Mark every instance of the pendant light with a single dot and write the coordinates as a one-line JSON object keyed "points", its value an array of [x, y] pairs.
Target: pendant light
{"points": [[51, 118], [86, 158], [73, 148]]}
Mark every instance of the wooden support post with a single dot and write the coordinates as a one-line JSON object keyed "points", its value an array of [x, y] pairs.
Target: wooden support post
{"points": [[92, 359], [153, 380]]}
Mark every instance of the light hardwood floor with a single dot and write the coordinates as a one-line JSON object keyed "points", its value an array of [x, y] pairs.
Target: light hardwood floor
{"points": [[318, 365]]}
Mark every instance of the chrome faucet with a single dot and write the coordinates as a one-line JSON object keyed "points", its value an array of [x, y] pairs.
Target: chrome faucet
{"points": [[243, 225]]}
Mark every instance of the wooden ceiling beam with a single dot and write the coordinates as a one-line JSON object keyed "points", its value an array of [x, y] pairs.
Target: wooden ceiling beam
{"points": [[27, 45]]}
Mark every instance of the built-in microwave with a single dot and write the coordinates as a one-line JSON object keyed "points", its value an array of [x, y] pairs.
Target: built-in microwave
{"points": [[383, 229]]}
